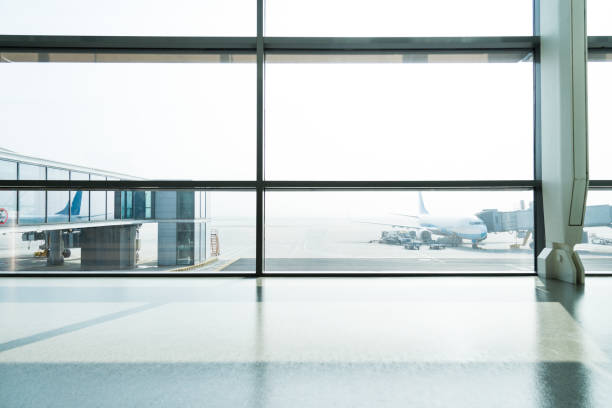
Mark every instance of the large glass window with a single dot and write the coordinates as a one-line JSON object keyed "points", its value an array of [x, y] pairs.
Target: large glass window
{"points": [[388, 18], [399, 231], [152, 116], [134, 17], [399, 117], [170, 105]]}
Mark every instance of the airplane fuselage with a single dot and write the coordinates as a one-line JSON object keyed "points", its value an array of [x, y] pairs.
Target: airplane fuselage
{"points": [[471, 227]]}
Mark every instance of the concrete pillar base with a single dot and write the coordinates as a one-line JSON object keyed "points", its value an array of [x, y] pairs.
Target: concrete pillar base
{"points": [[562, 263]]}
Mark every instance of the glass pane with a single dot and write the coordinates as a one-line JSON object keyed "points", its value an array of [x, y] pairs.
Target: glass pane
{"points": [[399, 117], [134, 115], [8, 170], [389, 18], [8, 208], [399, 231], [232, 234], [134, 17], [599, 17], [32, 204], [174, 239], [58, 202], [98, 201], [31, 172], [8, 199], [596, 247], [31, 207], [79, 200], [600, 125], [110, 205]]}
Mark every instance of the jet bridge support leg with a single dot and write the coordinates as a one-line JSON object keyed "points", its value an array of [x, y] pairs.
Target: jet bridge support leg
{"points": [[564, 158], [55, 246], [109, 248]]}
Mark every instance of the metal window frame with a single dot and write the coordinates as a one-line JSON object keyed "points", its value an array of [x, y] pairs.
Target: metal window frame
{"points": [[259, 45]]}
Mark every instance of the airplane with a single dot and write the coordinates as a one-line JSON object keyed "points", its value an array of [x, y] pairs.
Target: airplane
{"points": [[469, 227]]}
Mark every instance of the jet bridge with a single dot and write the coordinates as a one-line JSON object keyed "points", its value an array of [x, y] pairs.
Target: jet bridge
{"points": [[103, 224], [522, 220]]}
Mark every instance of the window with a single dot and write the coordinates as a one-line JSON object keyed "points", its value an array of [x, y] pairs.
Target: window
{"points": [[32, 204], [399, 117], [596, 247], [390, 18], [599, 14], [198, 141], [98, 201], [136, 17], [167, 116], [58, 202], [399, 231]]}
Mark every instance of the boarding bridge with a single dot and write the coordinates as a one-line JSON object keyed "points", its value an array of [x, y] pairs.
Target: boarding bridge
{"points": [[522, 220], [103, 224]]}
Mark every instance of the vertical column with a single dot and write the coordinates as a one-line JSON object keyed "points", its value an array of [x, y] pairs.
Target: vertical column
{"points": [[564, 160], [260, 210], [55, 247]]}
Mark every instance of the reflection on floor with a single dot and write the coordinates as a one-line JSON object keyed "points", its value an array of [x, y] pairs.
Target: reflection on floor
{"points": [[305, 342]]}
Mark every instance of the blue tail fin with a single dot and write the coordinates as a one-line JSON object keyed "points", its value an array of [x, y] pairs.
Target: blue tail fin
{"points": [[65, 210], [76, 203], [422, 209]]}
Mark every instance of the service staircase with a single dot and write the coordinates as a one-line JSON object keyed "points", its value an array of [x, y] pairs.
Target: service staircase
{"points": [[214, 243]]}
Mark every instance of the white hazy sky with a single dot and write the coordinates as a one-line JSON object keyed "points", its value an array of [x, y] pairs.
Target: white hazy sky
{"points": [[389, 121], [283, 17], [197, 121]]}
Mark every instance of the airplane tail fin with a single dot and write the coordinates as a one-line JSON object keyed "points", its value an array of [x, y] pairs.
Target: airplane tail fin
{"points": [[64, 211], [76, 203], [422, 209]]}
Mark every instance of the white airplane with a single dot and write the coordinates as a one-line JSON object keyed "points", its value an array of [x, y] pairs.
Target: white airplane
{"points": [[461, 227]]}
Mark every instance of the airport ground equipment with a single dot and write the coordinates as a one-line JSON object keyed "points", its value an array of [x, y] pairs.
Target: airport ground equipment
{"points": [[600, 241], [413, 246], [394, 237]]}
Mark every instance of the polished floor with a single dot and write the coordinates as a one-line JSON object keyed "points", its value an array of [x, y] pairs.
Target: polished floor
{"points": [[305, 342]]}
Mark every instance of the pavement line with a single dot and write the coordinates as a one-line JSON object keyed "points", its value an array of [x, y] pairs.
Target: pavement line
{"points": [[191, 267], [227, 264]]}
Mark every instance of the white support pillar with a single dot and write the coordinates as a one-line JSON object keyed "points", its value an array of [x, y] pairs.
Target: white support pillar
{"points": [[563, 59]]}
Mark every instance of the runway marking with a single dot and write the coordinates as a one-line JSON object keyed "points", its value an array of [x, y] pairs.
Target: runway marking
{"points": [[191, 267], [227, 264]]}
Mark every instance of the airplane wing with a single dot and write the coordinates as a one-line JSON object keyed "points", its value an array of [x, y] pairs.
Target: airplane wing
{"points": [[394, 225], [406, 215]]}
